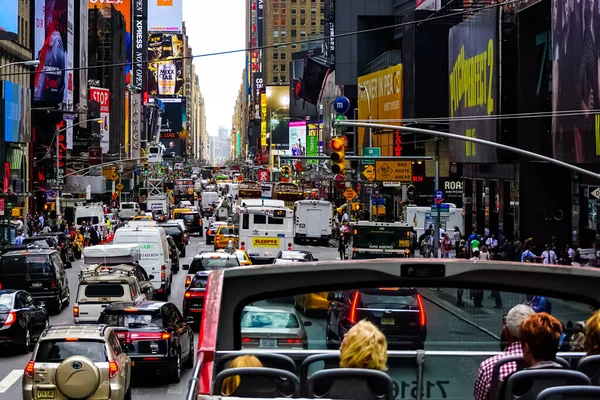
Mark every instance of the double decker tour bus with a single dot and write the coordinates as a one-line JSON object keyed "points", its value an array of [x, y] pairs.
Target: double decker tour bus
{"points": [[288, 192], [249, 190]]}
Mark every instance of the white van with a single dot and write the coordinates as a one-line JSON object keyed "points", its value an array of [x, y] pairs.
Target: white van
{"points": [[129, 210], [91, 213], [209, 198], [421, 217], [155, 254], [313, 221]]}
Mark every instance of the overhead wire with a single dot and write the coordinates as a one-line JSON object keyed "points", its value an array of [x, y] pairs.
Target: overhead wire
{"points": [[272, 46]]}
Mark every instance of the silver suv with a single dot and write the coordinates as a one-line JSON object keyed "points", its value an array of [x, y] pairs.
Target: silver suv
{"points": [[78, 362]]}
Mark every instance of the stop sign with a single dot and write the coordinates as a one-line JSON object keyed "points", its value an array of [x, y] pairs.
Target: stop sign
{"points": [[340, 181]]}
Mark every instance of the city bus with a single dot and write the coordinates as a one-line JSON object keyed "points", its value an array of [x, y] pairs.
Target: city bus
{"points": [[380, 240]]}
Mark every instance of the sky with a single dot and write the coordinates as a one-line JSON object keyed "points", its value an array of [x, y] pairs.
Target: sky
{"points": [[214, 26]]}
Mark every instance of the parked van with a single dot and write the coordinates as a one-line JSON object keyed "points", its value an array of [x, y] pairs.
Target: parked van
{"points": [[155, 254], [129, 210]]}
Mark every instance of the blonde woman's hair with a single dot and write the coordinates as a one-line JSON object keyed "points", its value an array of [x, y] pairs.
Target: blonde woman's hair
{"points": [[365, 347], [592, 334], [231, 383]]}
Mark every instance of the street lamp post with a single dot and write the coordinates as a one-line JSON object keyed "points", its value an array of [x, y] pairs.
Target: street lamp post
{"points": [[28, 63], [56, 133]]}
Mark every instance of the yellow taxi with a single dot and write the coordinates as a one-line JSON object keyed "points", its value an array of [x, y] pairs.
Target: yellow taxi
{"points": [[241, 255], [224, 234], [312, 302], [178, 211], [142, 218]]}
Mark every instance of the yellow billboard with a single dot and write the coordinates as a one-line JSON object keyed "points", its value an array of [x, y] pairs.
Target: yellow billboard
{"points": [[384, 89], [263, 119]]}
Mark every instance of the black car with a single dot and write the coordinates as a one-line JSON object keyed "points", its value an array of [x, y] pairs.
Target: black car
{"points": [[40, 272], [49, 241], [193, 220], [173, 254], [156, 336], [22, 319], [175, 231], [18, 247], [65, 245], [193, 298], [397, 312]]}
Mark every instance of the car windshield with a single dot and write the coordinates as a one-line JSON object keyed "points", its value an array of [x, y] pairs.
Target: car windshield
{"points": [[127, 206], [133, 319], [40, 242], [199, 282], [228, 231], [92, 220], [294, 255], [16, 265], [6, 301], [172, 230], [104, 290], [190, 217], [270, 320], [55, 351], [213, 262]]}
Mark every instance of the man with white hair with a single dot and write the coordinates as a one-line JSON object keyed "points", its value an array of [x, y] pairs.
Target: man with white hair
{"points": [[510, 333]]}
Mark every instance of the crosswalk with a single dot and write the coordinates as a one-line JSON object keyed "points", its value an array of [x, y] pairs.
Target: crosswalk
{"points": [[10, 380]]}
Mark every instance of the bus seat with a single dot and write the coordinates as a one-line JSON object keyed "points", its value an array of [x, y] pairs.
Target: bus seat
{"points": [[570, 393], [351, 384], [330, 360], [260, 382], [496, 382], [590, 366], [537, 380], [268, 360]]}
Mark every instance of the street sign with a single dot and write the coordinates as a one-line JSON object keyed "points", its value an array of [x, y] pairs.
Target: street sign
{"points": [[340, 181], [595, 192], [341, 105], [372, 152], [438, 196], [393, 171], [114, 177], [444, 210], [369, 173], [392, 184], [119, 186], [349, 194]]}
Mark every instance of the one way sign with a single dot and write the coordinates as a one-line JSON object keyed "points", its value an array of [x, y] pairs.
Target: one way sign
{"points": [[595, 192]]}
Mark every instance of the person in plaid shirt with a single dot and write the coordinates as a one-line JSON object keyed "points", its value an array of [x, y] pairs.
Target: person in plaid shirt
{"points": [[510, 331]]}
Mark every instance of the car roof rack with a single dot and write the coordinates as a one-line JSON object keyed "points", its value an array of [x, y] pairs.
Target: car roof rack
{"points": [[121, 270]]}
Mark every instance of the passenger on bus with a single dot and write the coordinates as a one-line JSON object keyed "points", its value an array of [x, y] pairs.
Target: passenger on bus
{"points": [[511, 338], [364, 346], [230, 384], [592, 335], [540, 337]]}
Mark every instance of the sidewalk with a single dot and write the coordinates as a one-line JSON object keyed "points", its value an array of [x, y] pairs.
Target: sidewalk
{"points": [[489, 319]]}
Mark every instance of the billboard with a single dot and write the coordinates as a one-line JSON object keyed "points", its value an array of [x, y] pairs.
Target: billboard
{"points": [[575, 83], [473, 74], [384, 91], [165, 15], [173, 119], [83, 54], [297, 141], [17, 113], [263, 120], [256, 52], [312, 142], [165, 67], [124, 7], [50, 41], [9, 20], [102, 96], [299, 108], [140, 47]]}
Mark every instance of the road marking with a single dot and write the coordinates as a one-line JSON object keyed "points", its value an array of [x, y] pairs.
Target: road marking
{"points": [[10, 379]]}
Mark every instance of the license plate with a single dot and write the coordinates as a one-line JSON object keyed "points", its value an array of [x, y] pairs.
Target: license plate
{"points": [[268, 343], [388, 321], [46, 394], [404, 243], [36, 284]]}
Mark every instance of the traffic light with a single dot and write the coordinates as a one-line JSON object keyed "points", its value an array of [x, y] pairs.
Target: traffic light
{"points": [[145, 166], [285, 173], [338, 151], [113, 171]]}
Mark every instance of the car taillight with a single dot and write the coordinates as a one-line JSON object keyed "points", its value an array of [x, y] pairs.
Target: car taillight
{"points": [[354, 306], [76, 312], [0, 286], [290, 341], [188, 295], [113, 369], [422, 316], [53, 283], [29, 368], [10, 319], [188, 280], [149, 336], [209, 232], [246, 340], [163, 274]]}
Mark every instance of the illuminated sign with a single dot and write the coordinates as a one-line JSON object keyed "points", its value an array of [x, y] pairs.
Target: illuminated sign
{"points": [[263, 119], [265, 242]]}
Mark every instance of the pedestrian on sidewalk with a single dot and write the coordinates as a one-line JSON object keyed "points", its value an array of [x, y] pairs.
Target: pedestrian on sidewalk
{"points": [[477, 294], [446, 246], [549, 256]]}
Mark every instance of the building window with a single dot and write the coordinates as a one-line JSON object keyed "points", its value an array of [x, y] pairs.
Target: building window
{"points": [[275, 68], [302, 34], [275, 79], [293, 21], [313, 23], [275, 21], [283, 79], [294, 11], [282, 56], [302, 21], [283, 33], [275, 56], [303, 11], [322, 22], [275, 11], [283, 10], [282, 68], [313, 11], [294, 45], [275, 34], [282, 21]]}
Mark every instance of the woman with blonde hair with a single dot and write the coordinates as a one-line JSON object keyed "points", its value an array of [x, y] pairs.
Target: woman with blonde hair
{"points": [[591, 344], [231, 383], [364, 346]]}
